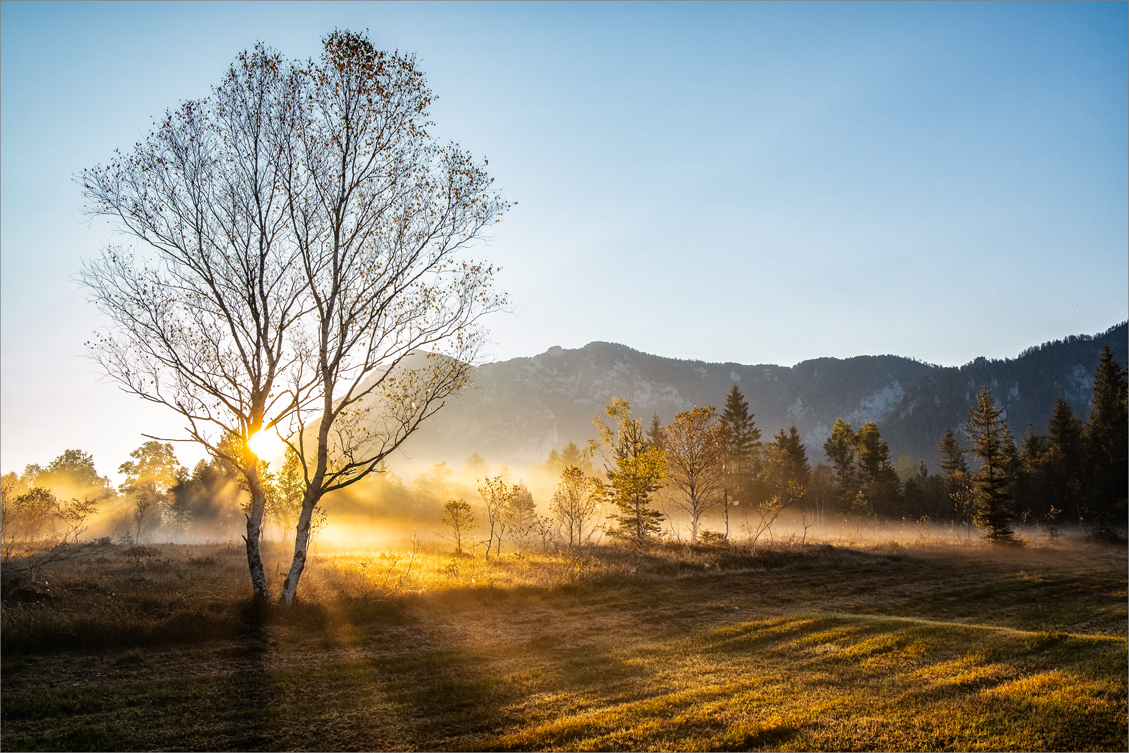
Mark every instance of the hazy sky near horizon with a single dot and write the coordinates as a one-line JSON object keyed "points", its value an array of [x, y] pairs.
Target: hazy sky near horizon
{"points": [[755, 183]]}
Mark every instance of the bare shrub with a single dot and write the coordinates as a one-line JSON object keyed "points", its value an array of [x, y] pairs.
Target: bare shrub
{"points": [[460, 518], [575, 504], [37, 528]]}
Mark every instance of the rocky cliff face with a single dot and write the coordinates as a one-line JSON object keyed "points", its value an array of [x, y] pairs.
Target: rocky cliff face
{"points": [[519, 410]]}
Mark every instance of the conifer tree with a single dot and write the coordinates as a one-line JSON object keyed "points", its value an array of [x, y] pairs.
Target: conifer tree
{"points": [[741, 447], [1108, 436], [655, 433], [951, 455], [880, 479], [994, 445], [741, 432], [1033, 489], [635, 472], [840, 450], [572, 455], [1064, 455], [789, 460]]}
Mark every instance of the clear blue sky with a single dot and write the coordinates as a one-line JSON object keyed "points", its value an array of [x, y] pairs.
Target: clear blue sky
{"points": [[759, 183]]}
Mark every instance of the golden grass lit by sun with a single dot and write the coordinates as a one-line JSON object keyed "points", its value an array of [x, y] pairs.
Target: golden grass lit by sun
{"points": [[908, 643]]}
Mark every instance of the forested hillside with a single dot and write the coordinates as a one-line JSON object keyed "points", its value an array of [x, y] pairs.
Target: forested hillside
{"points": [[519, 410]]}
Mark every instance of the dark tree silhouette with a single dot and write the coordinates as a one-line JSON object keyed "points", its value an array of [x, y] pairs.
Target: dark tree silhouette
{"points": [[994, 445]]}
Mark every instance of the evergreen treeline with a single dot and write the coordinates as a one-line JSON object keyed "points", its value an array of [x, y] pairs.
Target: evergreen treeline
{"points": [[1075, 472]]}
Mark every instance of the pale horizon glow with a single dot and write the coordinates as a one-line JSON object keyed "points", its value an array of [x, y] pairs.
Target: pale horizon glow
{"points": [[760, 183]]}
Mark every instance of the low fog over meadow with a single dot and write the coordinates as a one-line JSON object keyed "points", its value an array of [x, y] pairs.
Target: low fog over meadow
{"points": [[852, 482]]}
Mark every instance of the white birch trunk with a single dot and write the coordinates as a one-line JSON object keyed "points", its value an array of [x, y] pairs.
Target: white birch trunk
{"points": [[301, 551], [254, 535]]}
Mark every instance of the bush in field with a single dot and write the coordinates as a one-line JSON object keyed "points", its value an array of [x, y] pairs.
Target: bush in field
{"points": [[498, 498], [37, 528], [460, 518], [575, 503]]}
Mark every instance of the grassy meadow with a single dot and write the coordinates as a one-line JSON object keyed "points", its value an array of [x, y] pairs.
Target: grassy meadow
{"points": [[923, 644]]}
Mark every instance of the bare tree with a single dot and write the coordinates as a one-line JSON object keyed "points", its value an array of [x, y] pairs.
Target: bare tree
{"points": [[299, 234], [203, 316], [575, 503], [767, 511], [694, 462], [460, 518], [379, 213], [497, 495]]}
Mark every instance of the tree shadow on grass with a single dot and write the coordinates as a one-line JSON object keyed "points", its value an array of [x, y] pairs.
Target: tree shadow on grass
{"points": [[771, 738]]}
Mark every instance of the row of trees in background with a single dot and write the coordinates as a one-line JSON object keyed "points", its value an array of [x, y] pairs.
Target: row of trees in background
{"points": [[158, 500], [706, 469], [1078, 471], [45, 511], [709, 465], [690, 459]]}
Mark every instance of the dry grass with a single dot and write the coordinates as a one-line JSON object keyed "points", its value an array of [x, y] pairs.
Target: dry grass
{"points": [[888, 645]]}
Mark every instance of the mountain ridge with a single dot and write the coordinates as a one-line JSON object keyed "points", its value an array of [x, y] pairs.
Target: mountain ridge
{"points": [[519, 409]]}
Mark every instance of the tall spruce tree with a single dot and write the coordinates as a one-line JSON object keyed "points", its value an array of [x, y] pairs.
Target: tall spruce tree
{"points": [[655, 432], [1108, 436], [880, 480], [1063, 466], [994, 445], [950, 454], [742, 434], [789, 460], [1032, 490], [741, 447], [840, 449]]}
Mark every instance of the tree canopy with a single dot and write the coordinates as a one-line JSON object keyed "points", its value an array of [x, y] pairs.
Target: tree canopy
{"points": [[299, 238]]}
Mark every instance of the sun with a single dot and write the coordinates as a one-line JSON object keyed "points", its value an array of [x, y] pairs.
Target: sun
{"points": [[266, 444]]}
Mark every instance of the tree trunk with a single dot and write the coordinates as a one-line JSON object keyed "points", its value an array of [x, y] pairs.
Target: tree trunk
{"points": [[314, 491], [254, 536], [501, 530], [301, 548], [727, 514]]}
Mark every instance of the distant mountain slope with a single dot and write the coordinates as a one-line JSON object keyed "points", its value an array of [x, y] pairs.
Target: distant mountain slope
{"points": [[1025, 386], [519, 410]]}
